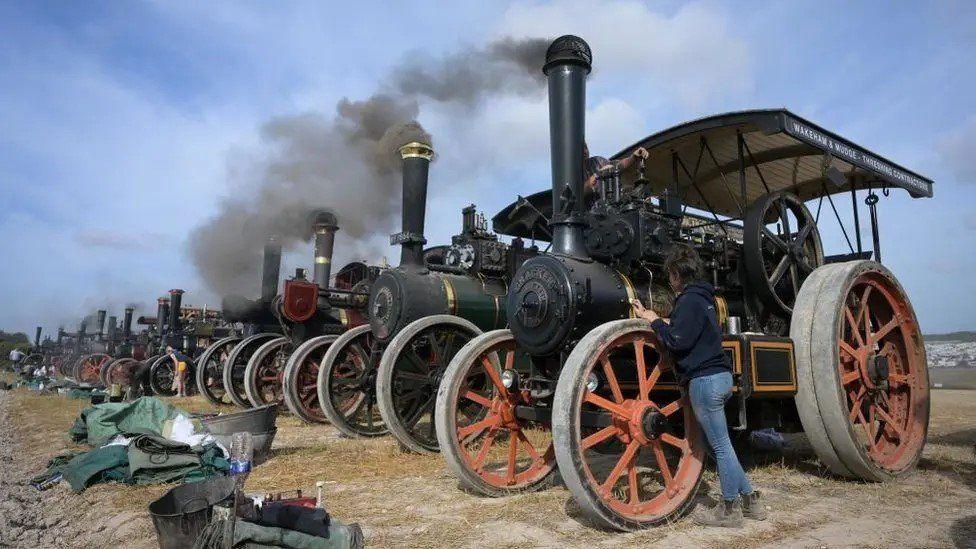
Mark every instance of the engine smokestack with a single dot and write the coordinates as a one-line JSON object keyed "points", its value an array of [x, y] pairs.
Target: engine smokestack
{"points": [[175, 305], [100, 320], [113, 327], [568, 61], [325, 227], [162, 309], [127, 323], [416, 164], [271, 269], [37, 338], [60, 336]]}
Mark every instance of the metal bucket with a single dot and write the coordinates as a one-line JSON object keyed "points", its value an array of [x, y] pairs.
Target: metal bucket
{"points": [[183, 512], [256, 420]]}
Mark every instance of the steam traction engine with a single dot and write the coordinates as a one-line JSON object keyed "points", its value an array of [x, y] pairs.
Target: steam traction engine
{"points": [[383, 377], [832, 347], [311, 315]]}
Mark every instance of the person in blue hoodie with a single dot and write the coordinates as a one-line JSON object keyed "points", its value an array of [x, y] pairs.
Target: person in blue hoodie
{"points": [[693, 336]]}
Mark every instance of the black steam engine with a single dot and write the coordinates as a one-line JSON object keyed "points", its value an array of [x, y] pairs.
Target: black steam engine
{"points": [[832, 343], [383, 377]]}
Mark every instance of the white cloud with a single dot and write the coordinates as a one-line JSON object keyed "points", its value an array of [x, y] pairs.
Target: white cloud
{"points": [[693, 55]]}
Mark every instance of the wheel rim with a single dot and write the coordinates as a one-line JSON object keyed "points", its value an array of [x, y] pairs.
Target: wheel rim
{"points": [[212, 373], [162, 376], [881, 374], [642, 458], [269, 374], [416, 376], [302, 395], [91, 367], [352, 387], [485, 416]]}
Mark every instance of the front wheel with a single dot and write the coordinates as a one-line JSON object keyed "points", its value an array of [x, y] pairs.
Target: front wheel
{"points": [[491, 447], [162, 371], [210, 370], [410, 373], [627, 448], [300, 384], [263, 375], [347, 385]]}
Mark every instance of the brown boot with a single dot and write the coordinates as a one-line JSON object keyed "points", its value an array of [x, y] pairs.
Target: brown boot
{"points": [[726, 514], [754, 506]]}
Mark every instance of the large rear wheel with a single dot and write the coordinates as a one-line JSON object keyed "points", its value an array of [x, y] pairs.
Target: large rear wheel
{"points": [[347, 384], [865, 356], [90, 368], [300, 383], [628, 449], [210, 370], [491, 447], [162, 371]]}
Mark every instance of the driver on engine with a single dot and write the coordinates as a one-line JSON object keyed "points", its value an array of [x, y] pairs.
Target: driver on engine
{"points": [[593, 166]]}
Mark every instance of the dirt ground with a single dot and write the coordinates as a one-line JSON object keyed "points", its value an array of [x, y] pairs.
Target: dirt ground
{"points": [[407, 500]]}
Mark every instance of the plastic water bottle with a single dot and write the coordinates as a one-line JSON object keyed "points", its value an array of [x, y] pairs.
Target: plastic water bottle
{"points": [[241, 453]]}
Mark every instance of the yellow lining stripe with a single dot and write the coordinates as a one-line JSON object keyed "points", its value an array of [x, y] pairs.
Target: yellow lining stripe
{"points": [[451, 298], [631, 293]]}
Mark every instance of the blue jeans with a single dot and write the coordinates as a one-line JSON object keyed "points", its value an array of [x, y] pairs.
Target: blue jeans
{"points": [[708, 395]]}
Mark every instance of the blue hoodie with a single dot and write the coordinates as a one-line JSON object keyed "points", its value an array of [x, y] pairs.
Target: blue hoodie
{"points": [[693, 336]]}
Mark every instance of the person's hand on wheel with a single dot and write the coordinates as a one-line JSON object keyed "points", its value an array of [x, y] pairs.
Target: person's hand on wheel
{"points": [[642, 312]]}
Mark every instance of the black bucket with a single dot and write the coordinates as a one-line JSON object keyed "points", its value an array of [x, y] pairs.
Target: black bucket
{"points": [[183, 512]]}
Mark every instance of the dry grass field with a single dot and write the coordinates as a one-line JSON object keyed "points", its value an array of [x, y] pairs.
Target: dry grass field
{"points": [[408, 500]]}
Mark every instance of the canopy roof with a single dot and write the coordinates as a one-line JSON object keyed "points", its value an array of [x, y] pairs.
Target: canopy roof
{"points": [[790, 153], [780, 151]]}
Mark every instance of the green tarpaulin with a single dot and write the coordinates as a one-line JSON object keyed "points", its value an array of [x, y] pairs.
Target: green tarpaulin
{"points": [[99, 424]]}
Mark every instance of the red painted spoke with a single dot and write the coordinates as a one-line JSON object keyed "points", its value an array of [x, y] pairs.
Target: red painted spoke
{"points": [[884, 330], [269, 378], [618, 470], [863, 311], [479, 460], [652, 380], [473, 396], [612, 380], [493, 375], [849, 377], [856, 403], [632, 479], [529, 447], [853, 324], [477, 427], [901, 379], [890, 422], [846, 347], [679, 443], [611, 407], [642, 380], [600, 436], [512, 455], [510, 360], [662, 464], [671, 408]]}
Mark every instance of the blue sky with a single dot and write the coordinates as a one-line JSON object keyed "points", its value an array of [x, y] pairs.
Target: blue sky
{"points": [[121, 124]]}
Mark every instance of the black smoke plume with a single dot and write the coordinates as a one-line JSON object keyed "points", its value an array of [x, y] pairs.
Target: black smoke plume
{"points": [[347, 163]]}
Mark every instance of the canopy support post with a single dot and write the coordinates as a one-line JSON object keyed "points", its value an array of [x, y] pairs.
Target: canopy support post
{"points": [[742, 170], [872, 202], [857, 217]]}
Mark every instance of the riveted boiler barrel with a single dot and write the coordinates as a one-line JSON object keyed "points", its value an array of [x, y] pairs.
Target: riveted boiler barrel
{"points": [[400, 296]]}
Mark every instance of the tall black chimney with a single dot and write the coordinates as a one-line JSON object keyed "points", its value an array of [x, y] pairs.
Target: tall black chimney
{"points": [[162, 309], [127, 323], [270, 272], [113, 327], [568, 61], [37, 338], [60, 335], [325, 228], [101, 323], [416, 163], [175, 304], [82, 330]]}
